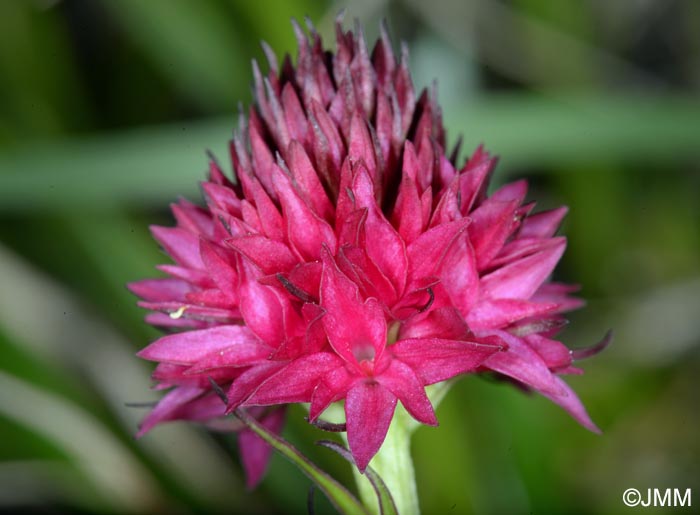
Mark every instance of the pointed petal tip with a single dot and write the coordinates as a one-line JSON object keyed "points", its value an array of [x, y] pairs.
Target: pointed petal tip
{"points": [[299, 33], [362, 463], [573, 405], [585, 420], [310, 25], [432, 422], [384, 28]]}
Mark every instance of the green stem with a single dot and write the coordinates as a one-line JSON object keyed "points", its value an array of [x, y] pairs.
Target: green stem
{"points": [[393, 462]]}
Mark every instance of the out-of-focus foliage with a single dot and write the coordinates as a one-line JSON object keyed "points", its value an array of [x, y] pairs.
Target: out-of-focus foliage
{"points": [[106, 109]]}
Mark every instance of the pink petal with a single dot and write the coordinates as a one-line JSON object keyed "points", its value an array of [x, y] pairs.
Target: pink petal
{"points": [[195, 277], [270, 256], [307, 276], [559, 294], [405, 94], [274, 117], [251, 218], [384, 246], [294, 114], [344, 104], [555, 354], [383, 127], [222, 197], [542, 225], [167, 408], [245, 384], [567, 399], [492, 223], [447, 173], [351, 230], [327, 145], [315, 334], [333, 386], [181, 245], [267, 213], [522, 247], [216, 175], [570, 370], [435, 360], [214, 298], [512, 191], [458, 273], [220, 264], [158, 290], [447, 209], [188, 347], [354, 263], [307, 179], [235, 356], [345, 202], [474, 179], [402, 381], [444, 323], [263, 161], [426, 201], [521, 279], [426, 253], [168, 375], [407, 214], [361, 148], [255, 452], [192, 218], [416, 301], [522, 363], [383, 59], [356, 330], [363, 75], [260, 306], [307, 232], [369, 408], [425, 140], [296, 381], [500, 313]]}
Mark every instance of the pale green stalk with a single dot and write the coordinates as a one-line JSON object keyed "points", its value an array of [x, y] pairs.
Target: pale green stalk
{"points": [[393, 462]]}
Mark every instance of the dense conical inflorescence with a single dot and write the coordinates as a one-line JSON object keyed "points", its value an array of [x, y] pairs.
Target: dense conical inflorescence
{"points": [[351, 259]]}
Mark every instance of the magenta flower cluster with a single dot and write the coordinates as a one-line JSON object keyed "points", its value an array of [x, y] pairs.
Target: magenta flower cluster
{"points": [[350, 259]]}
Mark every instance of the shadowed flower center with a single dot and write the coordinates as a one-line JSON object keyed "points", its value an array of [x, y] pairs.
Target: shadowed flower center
{"points": [[364, 353]]}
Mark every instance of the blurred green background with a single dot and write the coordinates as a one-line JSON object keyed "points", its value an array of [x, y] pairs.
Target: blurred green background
{"points": [[106, 110]]}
